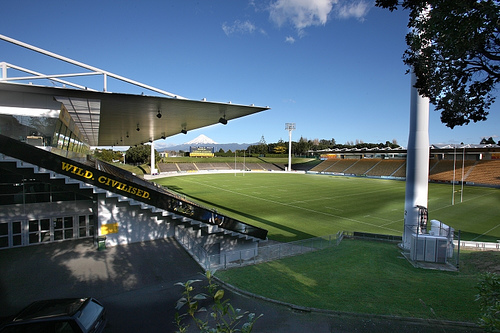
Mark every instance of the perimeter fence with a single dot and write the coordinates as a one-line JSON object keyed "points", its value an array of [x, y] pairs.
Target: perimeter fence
{"points": [[429, 254], [259, 254]]}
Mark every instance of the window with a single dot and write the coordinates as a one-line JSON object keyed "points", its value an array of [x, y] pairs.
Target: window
{"points": [[17, 237], [82, 226], [4, 235]]}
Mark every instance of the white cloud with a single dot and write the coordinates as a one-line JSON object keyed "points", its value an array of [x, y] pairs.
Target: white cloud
{"points": [[239, 27], [290, 40], [301, 13], [305, 13], [348, 9]]}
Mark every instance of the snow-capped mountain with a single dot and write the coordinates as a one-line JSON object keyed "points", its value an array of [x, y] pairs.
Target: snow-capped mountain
{"points": [[201, 140]]}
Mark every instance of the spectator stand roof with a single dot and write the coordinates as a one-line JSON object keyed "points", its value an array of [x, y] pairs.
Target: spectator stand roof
{"points": [[113, 119]]}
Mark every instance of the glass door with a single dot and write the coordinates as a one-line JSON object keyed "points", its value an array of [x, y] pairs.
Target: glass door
{"points": [[63, 228], [10, 234], [4, 235], [38, 231]]}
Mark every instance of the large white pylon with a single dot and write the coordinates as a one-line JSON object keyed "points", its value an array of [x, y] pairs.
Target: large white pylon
{"points": [[417, 163]]}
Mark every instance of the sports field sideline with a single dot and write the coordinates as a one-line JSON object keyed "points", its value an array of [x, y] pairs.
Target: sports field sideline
{"points": [[298, 206]]}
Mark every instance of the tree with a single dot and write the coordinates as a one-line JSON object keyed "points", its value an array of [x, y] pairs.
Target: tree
{"points": [[485, 141], [108, 155], [454, 51], [279, 149], [260, 149], [140, 154], [301, 147]]}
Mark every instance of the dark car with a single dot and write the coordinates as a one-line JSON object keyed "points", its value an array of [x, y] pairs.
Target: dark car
{"points": [[59, 315]]}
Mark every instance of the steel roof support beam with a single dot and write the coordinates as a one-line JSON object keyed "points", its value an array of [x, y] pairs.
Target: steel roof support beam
{"points": [[91, 68]]}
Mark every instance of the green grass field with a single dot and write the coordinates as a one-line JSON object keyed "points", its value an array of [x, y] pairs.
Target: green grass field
{"points": [[298, 206], [357, 276]]}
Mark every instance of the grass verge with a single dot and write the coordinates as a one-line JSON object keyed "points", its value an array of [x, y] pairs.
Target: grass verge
{"points": [[368, 277]]}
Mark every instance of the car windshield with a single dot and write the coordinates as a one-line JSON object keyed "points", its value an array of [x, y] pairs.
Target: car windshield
{"points": [[51, 308], [90, 314]]}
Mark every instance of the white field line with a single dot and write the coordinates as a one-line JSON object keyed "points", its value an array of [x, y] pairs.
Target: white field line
{"points": [[389, 222], [472, 199], [338, 196], [484, 233], [299, 208], [334, 208], [379, 218], [458, 203]]}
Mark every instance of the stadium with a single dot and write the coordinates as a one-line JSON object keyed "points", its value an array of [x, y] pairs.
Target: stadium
{"points": [[240, 214]]}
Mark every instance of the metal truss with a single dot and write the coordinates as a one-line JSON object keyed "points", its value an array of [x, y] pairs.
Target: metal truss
{"points": [[57, 77]]}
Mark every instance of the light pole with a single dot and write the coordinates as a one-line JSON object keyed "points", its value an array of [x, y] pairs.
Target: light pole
{"points": [[454, 167], [289, 127], [417, 163], [417, 159], [463, 171]]}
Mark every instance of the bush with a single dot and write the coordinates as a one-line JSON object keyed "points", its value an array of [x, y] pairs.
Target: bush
{"points": [[489, 301], [222, 317]]}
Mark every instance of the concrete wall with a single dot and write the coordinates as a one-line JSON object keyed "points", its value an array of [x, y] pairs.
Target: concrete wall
{"points": [[45, 210], [129, 224]]}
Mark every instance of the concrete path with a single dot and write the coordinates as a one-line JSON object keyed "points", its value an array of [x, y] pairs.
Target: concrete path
{"points": [[136, 285]]}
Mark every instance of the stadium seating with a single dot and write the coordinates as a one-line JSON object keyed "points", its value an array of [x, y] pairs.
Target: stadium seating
{"points": [[485, 172], [444, 170], [478, 172], [187, 167], [205, 166], [341, 165], [361, 167], [386, 168], [168, 167], [323, 166]]}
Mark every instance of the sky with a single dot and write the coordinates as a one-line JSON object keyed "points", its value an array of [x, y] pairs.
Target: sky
{"points": [[332, 67]]}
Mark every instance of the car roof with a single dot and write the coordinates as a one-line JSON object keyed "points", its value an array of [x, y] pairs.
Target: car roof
{"points": [[51, 308]]}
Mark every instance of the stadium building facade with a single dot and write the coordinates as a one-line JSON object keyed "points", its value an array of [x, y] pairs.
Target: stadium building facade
{"points": [[51, 190]]}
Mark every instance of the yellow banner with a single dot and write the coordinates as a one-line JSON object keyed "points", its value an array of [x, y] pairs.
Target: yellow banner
{"points": [[111, 228]]}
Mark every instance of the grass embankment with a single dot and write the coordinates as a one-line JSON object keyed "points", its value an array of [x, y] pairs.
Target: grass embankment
{"points": [[138, 170], [368, 277]]}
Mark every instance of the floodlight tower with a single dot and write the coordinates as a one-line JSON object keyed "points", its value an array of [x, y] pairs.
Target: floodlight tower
{"points": [[289, 127], [417, 164]]}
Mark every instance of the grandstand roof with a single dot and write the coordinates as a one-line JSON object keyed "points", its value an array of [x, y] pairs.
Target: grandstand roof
{"points": [[116, 119], [435, 148], [104, 118]]}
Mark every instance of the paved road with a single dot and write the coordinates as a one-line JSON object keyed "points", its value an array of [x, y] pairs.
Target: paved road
{"points": [[136, 285]]}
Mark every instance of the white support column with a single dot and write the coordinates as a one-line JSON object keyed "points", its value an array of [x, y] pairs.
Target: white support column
{"points": [[153, 168], [417, 163], [290, 127], [4, 70]]}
